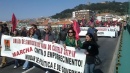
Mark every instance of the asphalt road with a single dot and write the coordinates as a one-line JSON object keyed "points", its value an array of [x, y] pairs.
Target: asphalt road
{"points": [[106, 50]]}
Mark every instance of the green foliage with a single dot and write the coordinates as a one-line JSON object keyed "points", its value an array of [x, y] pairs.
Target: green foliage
{"points": [[113, 7]]}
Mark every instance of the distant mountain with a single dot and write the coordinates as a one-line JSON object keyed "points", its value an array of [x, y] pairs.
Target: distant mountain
{"points": [[118, 8]]}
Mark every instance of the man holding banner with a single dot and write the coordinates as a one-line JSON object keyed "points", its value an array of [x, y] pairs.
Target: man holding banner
{"points": [[48, 36]]}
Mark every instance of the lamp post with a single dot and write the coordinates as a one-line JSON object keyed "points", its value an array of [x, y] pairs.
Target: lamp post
{"points": [[126, 10], [129, 12]]}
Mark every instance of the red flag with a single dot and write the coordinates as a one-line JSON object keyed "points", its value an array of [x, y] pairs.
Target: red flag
{"points": [[83, 22], [76, 29], [89, 23], [64, 26], [14, 22]]}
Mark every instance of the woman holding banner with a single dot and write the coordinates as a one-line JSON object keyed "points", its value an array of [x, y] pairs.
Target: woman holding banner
{"points": [[91, 48], [31, 34], [17, 61], [71, 40]]}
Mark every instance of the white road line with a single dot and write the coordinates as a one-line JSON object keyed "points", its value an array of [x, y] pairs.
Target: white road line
{"points": [[29, 69]]}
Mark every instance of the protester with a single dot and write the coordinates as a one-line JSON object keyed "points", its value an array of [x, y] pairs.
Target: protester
{"points": [[23, 32], [48, 36], [17, 61], [5, 29], [71, 40], [93, 31], [5, 32], [0, 37], [62, 35], [31, 34], [124, 24], [37, 31], [91, 48]]}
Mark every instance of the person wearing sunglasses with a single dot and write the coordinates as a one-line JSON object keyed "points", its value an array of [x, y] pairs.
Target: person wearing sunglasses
{"points": [[71, 40]]}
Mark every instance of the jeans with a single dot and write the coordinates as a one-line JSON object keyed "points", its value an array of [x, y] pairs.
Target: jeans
{"points": [[26, 64], [16, 62], [89, 68]]}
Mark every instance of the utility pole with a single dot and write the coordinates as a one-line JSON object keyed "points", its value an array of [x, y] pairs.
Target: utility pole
{"points": [[129, 12], [88, 3], [88, 10]]}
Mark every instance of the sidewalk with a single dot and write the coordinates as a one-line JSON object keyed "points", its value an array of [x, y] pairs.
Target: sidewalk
{"points": [[125, 53]]}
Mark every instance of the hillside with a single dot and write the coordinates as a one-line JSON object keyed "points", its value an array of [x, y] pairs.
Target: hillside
{"points": [[109, 7]]}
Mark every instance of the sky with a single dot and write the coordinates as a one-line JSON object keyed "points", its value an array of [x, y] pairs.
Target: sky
{"points": [[24, 9]]}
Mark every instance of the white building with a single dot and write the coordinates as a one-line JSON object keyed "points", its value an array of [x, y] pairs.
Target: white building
{"points": [[82, 14]]}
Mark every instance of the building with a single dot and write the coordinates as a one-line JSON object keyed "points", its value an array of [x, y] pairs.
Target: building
{"points": [[105, 17], [86, 14]]}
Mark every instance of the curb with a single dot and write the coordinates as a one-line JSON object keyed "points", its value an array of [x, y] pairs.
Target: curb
{"points": [[113, 62]]}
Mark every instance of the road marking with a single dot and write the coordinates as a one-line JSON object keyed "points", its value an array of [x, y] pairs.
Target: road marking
{"points": [[29, 69]]}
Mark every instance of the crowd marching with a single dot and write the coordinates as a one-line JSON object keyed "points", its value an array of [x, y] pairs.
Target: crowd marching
{"points": [[66, 37]]}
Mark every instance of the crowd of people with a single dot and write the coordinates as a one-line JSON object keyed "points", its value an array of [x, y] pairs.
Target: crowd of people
{"points": [[66, 37], [99, 23]]}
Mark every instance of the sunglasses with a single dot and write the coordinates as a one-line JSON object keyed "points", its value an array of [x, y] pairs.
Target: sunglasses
{"points": [[46, 29], [70, 32]]}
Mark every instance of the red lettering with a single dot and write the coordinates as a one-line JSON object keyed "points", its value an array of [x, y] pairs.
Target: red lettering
{"points": [[14, 54], [57, 49], [43, 46], [73, 53], [66, 52], [17, 41], [38, 44], [69, 53], [49, 47], [18, 53], [31, 49], [14, 40], [23, 41], [23, 51], [26, 50]]}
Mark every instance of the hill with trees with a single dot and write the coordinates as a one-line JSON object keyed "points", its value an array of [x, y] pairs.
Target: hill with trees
{"points": [[113, 7]]}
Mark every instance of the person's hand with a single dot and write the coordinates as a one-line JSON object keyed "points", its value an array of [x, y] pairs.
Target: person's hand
{"points": [[53, 42], [64, 45], [86, 52], [42, 40], [77, 47]]}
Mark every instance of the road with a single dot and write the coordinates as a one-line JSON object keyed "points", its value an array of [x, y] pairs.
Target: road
{"points": [[106, 50]]}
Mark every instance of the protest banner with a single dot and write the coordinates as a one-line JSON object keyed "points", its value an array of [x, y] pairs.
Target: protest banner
{"points": [[46, 54], [102, 31]]}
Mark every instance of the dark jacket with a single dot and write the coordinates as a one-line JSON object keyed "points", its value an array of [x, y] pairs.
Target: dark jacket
{"points": [[38, 33], [93, 31], [92, 49], [6, 30], [23, 33], [50, 38], [62, 35], [0, 37]]}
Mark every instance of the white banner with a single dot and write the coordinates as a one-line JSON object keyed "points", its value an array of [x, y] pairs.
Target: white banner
{"points": [[102, 31], [45, 54]]}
